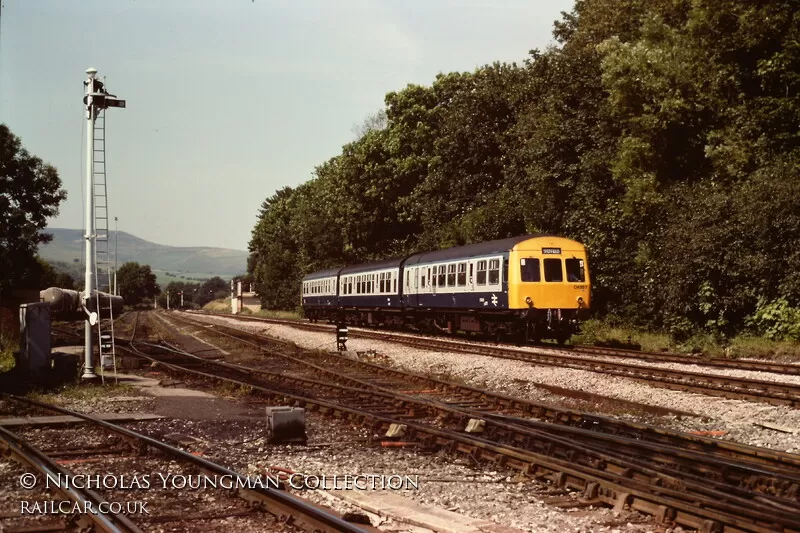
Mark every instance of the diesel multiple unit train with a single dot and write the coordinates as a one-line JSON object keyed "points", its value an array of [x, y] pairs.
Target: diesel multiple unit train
{"points": [[530, 287]]}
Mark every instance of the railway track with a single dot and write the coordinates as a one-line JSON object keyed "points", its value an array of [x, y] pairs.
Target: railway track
{"points": [[771, 392], [272, 508], [458, 394], [688, 487]]}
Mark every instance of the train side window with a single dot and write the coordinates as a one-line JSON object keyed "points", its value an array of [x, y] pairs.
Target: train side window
{"points": [[394, 282], [424, 276], [494, 272], [462, 274], [529, 269], [481, 279], [451, 275], [441, 277], [552, 270]]}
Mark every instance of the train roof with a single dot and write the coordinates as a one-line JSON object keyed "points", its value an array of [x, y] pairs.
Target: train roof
{"points": [[472, 250], [322, 274], [369, 267]]}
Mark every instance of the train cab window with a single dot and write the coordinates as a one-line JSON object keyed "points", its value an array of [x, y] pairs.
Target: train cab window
{"points": [[441, 277], [552, 270], [529, 270], [481, 279], [494, 272], [451, 275], [462, 274]]}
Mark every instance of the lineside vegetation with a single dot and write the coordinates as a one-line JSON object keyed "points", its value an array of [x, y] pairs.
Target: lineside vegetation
{"points": [[664, 135]]}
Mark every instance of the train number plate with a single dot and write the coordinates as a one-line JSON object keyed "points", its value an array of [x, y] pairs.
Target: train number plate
{"points": [[551, 251]]}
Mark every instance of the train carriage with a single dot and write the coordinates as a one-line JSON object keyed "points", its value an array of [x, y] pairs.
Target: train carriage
{"points": [[370, 294], [319, 293]]}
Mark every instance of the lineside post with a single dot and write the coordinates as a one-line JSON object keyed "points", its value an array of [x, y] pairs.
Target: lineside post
{"points": [[88, 281]]}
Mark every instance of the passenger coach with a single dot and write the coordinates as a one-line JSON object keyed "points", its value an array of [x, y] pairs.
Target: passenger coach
{"points": [[531, 287]]}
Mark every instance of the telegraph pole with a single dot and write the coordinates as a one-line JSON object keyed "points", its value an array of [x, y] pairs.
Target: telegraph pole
{"points": [[96, 99]]}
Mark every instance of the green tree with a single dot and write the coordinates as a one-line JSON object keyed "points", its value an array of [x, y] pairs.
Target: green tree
{"points": [[136, 282], [30, 192]]}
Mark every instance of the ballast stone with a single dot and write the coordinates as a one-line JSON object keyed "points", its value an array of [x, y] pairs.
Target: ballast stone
{"points": [[286, 424]]}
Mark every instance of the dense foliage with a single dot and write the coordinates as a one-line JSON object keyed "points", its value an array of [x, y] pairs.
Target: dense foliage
{"points": [[136, 283], [30, 192], [665, 135]]}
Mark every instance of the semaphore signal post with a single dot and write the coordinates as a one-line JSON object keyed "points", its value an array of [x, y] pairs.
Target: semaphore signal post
{"points": [[96, 100]]}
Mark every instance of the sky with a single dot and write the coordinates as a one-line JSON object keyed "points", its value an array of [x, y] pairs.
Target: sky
{"points": [[230, 100]]}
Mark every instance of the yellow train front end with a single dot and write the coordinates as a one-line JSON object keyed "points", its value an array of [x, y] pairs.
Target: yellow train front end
{"points": [[549, 286]]}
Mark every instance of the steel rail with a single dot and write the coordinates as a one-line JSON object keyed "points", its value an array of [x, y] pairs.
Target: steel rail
{"points": [[278, 503], [738, 364], [28, 455], [774, 393], [533, 462], [706, 514], [670, 462], [777, 461]]}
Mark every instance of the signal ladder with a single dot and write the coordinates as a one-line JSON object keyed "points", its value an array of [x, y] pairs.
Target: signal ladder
{"points": [[102, 256]]}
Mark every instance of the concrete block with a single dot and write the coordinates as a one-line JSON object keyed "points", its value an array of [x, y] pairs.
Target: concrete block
{"points": [[475, 425], [286, 424], [396, 430]]}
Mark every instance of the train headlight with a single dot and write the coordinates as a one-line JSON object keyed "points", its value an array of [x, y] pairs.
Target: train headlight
{"points": [[529, 301], [580, 301]]}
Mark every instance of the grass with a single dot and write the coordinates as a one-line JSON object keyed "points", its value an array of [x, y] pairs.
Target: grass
{"points": [[83, 391], [286, 315], [7, 359], [599, 333], [9, 343], [223, 305]]}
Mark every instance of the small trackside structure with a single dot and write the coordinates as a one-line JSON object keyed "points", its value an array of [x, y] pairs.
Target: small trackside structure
{"points": [[241, 300], [286, 424]]}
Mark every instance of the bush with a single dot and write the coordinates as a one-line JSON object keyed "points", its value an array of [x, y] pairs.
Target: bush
{"points": [[776, 320]]}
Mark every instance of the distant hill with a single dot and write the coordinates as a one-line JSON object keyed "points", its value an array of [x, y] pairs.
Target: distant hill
{"points": [[67, 245]]}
